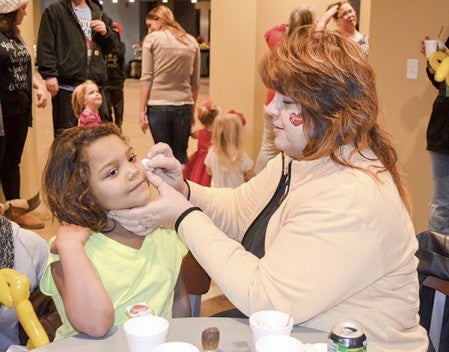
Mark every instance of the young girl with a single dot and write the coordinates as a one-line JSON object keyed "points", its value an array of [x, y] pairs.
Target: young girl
{"points": [[226, 161], [195, 170], [99, 273], [86, 101]]}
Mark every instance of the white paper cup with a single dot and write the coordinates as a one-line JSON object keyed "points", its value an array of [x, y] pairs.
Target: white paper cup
{"points": [[270, 322], [145, 332], [279, 343], [431, 46], [176, 347]]}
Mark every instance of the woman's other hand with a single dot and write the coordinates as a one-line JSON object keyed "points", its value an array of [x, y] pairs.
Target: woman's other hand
{"points": [[143, 122], [422, 46], [162, 163]]}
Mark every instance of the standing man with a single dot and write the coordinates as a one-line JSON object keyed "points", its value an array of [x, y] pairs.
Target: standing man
{"points": [[74, 36]]}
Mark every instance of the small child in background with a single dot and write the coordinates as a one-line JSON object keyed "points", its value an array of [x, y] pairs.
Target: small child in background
{"points": [[226, 161], [101, 269], [86, 102], [195, 170]]}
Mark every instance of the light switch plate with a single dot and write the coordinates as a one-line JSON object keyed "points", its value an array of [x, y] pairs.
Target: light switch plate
{"points": [[412, 69]]}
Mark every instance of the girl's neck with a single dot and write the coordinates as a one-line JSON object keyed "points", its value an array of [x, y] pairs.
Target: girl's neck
{"points": [[91, 110], [125, 237]]}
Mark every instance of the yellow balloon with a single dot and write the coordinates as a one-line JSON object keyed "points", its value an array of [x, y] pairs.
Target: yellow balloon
{"points": [[436, 58], [442, 71], [15, 293]]}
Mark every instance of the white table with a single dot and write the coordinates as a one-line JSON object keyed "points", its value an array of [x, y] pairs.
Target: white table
{"points": [[235, 336]]}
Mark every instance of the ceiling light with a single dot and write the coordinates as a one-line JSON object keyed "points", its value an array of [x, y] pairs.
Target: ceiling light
{"points": [[194, 1]]}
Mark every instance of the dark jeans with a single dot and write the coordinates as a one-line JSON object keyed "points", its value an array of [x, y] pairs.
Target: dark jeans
{"points": [[15, 136], [171, 124], [114, 102], [63, 116]]}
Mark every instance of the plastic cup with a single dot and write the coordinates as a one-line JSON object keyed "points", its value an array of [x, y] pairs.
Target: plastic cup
{"points": [[144, 333], [430, 46], [176, 347], [270, 322], [279, 343]]}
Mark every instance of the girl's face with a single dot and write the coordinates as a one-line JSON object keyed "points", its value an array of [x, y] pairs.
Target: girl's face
{"points": [[287, 125], [21, 12], [118, 179], [153, 25], [92, 98], [346, 16]]}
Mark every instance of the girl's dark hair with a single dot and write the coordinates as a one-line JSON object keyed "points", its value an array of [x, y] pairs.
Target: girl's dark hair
{"points": [[65, 181]]}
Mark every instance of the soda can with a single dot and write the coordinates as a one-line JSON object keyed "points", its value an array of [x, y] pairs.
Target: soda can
{"points": [[346, 336]]}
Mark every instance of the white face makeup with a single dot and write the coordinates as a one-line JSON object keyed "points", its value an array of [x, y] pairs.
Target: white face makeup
{"points": [[118, 179], [287, 125]]}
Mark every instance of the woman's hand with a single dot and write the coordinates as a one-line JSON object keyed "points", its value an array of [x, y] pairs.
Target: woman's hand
{"points": [[422, 46], [163, 164], [143, 122], [162, 212]]}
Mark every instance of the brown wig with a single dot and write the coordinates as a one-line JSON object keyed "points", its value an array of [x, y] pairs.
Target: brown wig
{"points": [[65, 181], [8, 25], [330, 78]]}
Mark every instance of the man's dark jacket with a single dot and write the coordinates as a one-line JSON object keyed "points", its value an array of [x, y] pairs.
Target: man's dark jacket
{"points": [[62, 48]]}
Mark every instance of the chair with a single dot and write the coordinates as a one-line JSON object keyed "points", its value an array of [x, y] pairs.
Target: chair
{"points": [[196, 281], [433, 271], [15, 293]]}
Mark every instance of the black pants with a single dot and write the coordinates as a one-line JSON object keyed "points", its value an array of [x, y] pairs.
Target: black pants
{"points": [[114, 101], [16, 130], [63, 115]]}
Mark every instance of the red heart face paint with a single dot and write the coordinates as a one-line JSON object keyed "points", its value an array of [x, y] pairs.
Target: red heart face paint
{"points": [[295, 119]]}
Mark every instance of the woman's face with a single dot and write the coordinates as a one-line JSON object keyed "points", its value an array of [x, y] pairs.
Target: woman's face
{"points": [[118, 179], [287, 125], [21, 12], [346, 16], [153, 25], [92, 97]]}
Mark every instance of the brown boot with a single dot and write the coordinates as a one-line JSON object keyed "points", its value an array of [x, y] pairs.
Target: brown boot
{"points": [[16, 211]]}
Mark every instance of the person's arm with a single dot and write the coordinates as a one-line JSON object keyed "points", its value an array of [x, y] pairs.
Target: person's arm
{"points": [[195, 78], [86, 301], [146, 81], [46, 48], [181, 303], [323, 22], [41, 93]]}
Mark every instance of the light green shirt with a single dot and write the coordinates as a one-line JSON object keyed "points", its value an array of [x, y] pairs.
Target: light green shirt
{"points": [[129, 275]]}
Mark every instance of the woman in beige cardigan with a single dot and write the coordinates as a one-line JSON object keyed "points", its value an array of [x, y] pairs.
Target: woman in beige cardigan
{"points": [[324, 231]]}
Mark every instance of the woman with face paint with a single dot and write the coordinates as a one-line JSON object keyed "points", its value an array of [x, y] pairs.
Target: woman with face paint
{"points": [[324, 231]]}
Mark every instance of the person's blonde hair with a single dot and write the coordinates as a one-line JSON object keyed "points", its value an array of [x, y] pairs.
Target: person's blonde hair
{"points": [[330, 78], [78, 97], [164, 14], [227, 141]]}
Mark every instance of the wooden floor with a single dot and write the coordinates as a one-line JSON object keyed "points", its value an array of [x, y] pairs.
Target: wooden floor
{"points": [[212, 302]]}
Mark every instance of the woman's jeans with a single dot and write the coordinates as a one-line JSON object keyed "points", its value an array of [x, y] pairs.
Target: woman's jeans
{"points": [[439, 212], [171, 124]]}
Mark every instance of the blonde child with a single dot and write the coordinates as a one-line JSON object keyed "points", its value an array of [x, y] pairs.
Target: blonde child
{"points": [[226, 161], [86, 101], [195, 170], [101, 269]]}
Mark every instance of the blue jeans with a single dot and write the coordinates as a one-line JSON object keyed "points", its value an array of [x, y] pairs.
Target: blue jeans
{"points": [[171, 124], [439, 212]]}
